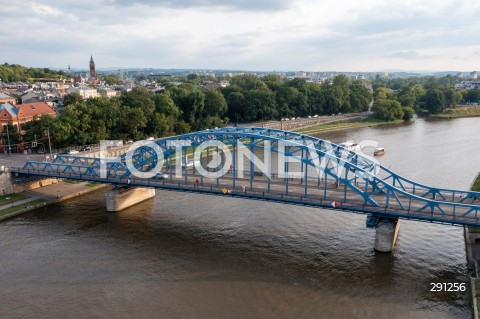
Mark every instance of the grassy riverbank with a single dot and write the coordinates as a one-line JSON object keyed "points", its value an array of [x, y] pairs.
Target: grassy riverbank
{"points": [[370, 121], [11, 198], [457, 112], [476, 184], [15, 208]]}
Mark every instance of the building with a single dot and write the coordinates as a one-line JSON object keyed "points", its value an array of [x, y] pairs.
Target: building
{"points": [[29, 97], [93, 73], [468, 85], [85, 92], [16, 115], [4, 98]]}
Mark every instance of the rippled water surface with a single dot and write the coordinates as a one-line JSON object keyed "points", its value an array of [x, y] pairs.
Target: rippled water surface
{"points": [[195, 256]]}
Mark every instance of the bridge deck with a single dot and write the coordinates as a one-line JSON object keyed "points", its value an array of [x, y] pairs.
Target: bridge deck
{"points": [[318, 194]]}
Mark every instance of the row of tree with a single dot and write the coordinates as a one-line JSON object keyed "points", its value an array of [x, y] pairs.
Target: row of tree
{"points": [[250, 98], [182, 108], [15, 73]]}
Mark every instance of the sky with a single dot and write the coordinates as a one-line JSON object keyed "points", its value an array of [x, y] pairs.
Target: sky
{"points": [[269, 35]]}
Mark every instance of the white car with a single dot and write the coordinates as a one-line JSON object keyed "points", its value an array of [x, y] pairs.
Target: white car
{"points": [[161, 175], [315, 116], [72, 152], [150, 138]]}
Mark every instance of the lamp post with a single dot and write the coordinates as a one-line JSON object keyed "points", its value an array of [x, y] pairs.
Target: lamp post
{"points": [[47, 132], [8, 139]]}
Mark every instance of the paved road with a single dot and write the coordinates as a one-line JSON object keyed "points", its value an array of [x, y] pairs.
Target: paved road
{"points": [[18, 160]]}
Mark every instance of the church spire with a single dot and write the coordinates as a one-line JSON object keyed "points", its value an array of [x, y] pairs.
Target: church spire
{"points": [[93, 73]]}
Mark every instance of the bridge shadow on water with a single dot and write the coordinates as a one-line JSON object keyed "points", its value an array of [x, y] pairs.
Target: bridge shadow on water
{"points": [[239, 240]]}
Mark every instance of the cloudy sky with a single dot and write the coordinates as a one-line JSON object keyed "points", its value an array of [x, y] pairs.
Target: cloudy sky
{"points": [[310, 35]]}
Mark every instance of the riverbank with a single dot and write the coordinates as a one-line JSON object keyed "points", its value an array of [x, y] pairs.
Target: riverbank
{"points": [[370, 121], [458, 112], [19, 203], [473, 256]]}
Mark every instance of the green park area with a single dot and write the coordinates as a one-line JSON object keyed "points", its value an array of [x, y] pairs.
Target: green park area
{"points": [[15, 208], [459, 111], [8, 199]]}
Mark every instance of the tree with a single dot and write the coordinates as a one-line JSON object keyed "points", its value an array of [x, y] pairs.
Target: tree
{"points": [[472, 96], [236, 106], [164, 104], [193, 77], [452, 97], [134, 121], [388, 110], [248, 82], [435, 100], [407, 97], [215, 104], [408, 113], [72, 98]]}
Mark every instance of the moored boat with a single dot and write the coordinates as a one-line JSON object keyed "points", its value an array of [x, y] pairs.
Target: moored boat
{"points": [[379, 151]]}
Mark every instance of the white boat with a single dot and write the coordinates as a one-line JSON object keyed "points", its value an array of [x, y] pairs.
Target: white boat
{"points": [[379, 151], [351, 146]]}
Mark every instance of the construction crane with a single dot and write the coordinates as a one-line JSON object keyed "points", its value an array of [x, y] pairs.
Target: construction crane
{"points": [[60, 79]]}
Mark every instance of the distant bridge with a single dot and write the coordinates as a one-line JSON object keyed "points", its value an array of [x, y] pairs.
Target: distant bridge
{"points": [[349, 181]]}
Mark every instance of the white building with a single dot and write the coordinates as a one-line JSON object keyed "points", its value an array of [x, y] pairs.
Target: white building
{"points": [[85, 92]]}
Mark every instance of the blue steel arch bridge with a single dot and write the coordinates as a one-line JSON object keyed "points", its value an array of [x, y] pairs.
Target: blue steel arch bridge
{"points": [[328, 175]]}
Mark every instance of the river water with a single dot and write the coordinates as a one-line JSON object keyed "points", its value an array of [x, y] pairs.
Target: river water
{"points": [[195, 256]]}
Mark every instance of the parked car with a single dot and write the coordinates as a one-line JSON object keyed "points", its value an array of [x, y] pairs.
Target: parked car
{"points": [[315, 116], [161, 175], [150, 138], [71, 152]]}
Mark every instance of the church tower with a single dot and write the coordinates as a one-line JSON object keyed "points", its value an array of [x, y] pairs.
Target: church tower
{"points": [[93, 74]]}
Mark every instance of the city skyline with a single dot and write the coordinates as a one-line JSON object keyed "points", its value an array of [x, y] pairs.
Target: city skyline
{"points": [[244, 35]]}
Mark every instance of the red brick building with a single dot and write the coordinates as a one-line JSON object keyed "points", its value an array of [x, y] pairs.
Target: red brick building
{"points": [[22, 113]]}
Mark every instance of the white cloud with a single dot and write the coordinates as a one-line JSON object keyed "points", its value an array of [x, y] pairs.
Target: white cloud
{"points": [[243, 34]]}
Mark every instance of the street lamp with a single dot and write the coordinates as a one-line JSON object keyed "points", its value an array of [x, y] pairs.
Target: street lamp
{"points": [[47, 132], [8, 138]]}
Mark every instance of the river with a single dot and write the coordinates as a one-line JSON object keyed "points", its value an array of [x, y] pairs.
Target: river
{"points": [[186, 255]]}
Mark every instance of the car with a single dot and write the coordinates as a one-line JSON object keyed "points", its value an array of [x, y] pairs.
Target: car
{"points": [[287, 119], [86, 149], [298, 118], [293, 119], [315, 116], [309, 116], [129, 142], [150, 138], [161, 175], [72, 152]]}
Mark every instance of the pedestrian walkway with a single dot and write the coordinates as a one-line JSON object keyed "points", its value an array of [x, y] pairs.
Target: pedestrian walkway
{"points": [[18, 202]]}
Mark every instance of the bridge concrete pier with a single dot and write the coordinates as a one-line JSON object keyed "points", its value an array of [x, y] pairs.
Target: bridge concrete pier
{"points": [[124, 197], [386, 234]]}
